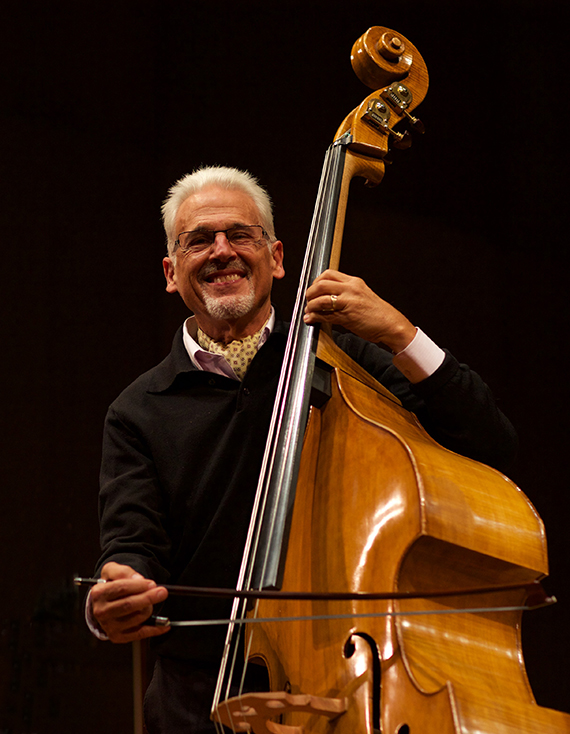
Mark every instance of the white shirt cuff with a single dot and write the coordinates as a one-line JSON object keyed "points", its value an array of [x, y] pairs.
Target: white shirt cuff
{"points": [[91, 621], [420, 358]]}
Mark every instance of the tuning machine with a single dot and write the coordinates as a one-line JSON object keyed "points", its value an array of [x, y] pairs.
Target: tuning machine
{"points": [[377, 115], [400, 97]]}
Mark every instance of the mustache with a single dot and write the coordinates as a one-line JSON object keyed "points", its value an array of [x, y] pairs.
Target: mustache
{"points": [[214, 267]]}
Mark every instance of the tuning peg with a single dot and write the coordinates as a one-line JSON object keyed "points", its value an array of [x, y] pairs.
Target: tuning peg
{"points": [[416, 124], [402, 140]]}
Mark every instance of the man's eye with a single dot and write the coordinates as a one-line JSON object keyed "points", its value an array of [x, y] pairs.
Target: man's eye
{"points": [[199, 240], [238, 235]]}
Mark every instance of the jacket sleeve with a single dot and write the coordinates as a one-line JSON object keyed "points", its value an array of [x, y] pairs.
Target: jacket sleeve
{"points": [[454, 404], [132, 508]]}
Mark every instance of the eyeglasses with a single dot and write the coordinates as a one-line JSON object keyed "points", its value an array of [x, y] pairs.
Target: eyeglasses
{"points": [[244, 237]]}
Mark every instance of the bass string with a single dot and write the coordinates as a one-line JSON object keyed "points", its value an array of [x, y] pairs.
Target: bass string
{"points": [[320, 239], [231, 646], [284, 434]]}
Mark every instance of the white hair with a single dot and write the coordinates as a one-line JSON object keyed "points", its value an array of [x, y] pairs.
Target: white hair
{"points": [[225, 178]]}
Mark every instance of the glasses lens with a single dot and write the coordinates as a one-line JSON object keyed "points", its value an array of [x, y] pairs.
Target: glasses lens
{"points": [[239, 237], [244, 236], [196, 241]]}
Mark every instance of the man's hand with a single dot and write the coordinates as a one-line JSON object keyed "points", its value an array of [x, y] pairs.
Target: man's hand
{"points": [[358, 309], [125, 602]]}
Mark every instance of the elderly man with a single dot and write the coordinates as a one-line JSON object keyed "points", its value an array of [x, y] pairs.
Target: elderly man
{"points": [[184, 443]]}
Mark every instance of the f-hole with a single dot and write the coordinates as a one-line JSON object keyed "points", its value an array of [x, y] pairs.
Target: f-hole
{"points": [[349, 649]]}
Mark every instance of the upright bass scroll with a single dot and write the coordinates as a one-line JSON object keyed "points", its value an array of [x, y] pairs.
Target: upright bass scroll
{"points": [[391, 65]]}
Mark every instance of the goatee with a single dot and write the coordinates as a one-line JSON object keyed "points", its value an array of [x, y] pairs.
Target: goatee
{"points": [[228, 307]]}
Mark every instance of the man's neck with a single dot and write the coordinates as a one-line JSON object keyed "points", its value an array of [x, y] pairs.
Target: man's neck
{"points": [[226, 331]]}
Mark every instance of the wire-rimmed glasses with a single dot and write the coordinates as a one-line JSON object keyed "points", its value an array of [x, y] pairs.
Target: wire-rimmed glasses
{"points": [[240, 237]]}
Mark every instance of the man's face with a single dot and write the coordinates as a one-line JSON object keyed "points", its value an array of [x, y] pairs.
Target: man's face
{"points": [[219, 284]]}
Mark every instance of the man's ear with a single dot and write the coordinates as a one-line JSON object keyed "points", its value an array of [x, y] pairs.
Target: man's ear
{"points": [[278, 269], [170, 275]]}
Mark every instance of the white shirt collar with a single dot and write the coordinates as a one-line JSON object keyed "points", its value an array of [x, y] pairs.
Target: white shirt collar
{"points": [[217, 363]]}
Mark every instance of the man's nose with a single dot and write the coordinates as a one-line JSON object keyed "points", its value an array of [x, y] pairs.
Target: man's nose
{"points": [[221, 246]]}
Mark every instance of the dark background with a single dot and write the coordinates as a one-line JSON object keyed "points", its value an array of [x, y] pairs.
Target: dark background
{"points": [[105, 105]]}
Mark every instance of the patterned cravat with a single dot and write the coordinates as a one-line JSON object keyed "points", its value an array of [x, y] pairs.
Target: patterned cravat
{"points": [[238, 353]]}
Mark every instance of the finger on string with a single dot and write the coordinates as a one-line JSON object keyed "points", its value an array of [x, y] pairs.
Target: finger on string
{"points": [[330, 279], [324, 306], [333, 275]]}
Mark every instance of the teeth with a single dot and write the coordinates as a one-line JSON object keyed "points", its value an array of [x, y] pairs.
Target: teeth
{"points": [[226, 278]]}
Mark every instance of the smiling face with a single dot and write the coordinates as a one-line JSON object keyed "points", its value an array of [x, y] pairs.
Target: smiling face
{"points": [[229, 292]]}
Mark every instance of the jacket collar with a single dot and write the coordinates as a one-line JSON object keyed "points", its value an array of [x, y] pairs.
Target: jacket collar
{"points": [[178, 362]]}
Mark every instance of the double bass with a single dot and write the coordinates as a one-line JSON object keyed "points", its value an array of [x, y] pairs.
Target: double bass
{"points": [[355, 497]]}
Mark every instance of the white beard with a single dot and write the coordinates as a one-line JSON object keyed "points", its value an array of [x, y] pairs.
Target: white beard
{"points": [[229, 307]]}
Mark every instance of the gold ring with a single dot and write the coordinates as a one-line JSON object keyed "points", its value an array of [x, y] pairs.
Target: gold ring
{"points": [[334, 299]]}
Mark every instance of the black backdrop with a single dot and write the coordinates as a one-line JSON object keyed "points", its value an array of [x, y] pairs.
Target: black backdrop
{"points": [[104, 106]]}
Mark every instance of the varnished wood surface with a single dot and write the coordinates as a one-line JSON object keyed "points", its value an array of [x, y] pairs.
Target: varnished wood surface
{"points": [[403, 519]]}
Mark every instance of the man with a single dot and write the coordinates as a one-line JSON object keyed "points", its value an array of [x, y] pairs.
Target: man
{"points": [[184, 443]]}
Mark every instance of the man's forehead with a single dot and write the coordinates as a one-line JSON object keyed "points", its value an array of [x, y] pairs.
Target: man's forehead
{"points": [[213, 204]]}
